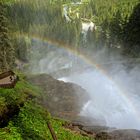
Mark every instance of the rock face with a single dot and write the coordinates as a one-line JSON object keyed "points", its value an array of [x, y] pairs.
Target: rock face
{"points": [[119, 135], [125, 135], [62, 99], [104, 133]]}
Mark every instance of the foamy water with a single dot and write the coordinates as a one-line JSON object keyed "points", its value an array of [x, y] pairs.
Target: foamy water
{"points": [[107, 100]]}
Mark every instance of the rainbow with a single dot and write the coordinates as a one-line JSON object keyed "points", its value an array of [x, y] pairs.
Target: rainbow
{"points": [[85, 59]]}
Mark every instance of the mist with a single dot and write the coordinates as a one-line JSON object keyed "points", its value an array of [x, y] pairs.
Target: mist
{"points": [[119, 106], [76, 69], [113, 88]]}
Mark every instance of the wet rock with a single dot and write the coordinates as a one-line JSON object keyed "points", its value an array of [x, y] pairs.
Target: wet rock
{"points": [[130, 134], [61, 99], [78, 129], [119, 135], [102, 136], [64, 100]]}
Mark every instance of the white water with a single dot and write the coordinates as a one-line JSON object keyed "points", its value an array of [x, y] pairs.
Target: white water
{"points": [[106, 100], [66, 13]]}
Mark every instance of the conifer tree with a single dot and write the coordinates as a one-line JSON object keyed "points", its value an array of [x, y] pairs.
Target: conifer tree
{"points": [[132, 33], [6, 49]]}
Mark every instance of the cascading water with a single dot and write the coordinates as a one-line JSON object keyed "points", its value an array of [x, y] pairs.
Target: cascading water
{"points": [[106, 100]]}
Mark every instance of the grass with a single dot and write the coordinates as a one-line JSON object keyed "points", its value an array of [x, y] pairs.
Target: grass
{"points": [[30, 123]]}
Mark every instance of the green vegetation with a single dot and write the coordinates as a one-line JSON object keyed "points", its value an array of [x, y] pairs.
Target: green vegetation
{"points": [[118, 26], [132, 33], [6, 49], [46, 19], [23, 117], [114, 17]]}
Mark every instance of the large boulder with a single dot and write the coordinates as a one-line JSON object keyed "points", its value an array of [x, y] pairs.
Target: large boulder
{"points": [[64, 100]]}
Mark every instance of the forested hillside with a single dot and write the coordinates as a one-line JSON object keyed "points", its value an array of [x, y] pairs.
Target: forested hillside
{"points": [[76, 25], [46, 19], [6, 48]]}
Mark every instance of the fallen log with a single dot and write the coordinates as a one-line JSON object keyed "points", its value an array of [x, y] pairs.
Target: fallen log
{"points": [[52, 131]]}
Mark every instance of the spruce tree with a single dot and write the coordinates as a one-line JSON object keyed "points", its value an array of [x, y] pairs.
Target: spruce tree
{"points": [[132, 34], [6, 49]]}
